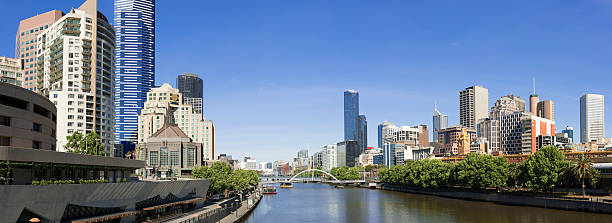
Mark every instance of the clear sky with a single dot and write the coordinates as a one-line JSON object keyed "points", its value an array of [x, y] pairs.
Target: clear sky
{"points": [[275, 71]]}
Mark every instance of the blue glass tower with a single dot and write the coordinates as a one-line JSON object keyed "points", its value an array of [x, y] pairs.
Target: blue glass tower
{"points": [[134, 63], [351, 115], [363, 133]]}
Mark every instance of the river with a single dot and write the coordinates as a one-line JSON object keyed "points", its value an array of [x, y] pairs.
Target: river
{"points": [[323, 203]]}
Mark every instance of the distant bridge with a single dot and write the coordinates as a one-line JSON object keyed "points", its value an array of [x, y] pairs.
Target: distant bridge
{"points": [[296, 179]]}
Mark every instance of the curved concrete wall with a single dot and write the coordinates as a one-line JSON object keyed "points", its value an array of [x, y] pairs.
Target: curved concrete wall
{"points": [[49, 201]]}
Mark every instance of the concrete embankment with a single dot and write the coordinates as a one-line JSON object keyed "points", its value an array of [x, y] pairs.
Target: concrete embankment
{"points": [[245, 208], [510, 199]]}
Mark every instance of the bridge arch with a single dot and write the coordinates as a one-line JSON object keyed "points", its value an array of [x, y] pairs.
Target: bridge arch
{"points": [[310, 170]]}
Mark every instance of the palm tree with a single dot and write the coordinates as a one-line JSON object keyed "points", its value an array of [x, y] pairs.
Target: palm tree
{"points": [[582, 169]]}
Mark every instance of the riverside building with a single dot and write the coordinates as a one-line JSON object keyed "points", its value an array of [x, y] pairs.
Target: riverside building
{"points": [[76, 71], [164, 106]]}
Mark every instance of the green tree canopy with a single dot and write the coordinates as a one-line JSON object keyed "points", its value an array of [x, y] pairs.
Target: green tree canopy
{"points": [[224, 178], [542, 170], [480, 171], [89, 144]]}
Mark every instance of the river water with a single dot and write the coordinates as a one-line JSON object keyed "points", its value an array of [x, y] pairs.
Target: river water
{"points": [[323, 203]]}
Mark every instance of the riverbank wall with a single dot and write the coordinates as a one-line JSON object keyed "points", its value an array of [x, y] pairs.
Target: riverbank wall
{"points": [[244, 210], [509, 199]]}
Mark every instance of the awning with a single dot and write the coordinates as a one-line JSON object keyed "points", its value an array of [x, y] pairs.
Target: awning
{"points": [[107, 217]]}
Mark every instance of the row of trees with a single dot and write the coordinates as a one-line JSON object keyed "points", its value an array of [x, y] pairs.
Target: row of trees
{"points": [[541, 171], [346, 173], [224, 179]]}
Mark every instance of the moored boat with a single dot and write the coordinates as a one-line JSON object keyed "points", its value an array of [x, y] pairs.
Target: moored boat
{"points": [[286, 185], [269, 189]]}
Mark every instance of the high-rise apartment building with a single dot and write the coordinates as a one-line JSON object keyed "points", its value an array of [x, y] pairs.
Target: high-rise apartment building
{"points": [[164, 105], [440, 121], [546, 109], [76, 70], [329, 157], [10, 71], [473, 106], [135, 63], [591, 117], [192, 88], [26, 44]]}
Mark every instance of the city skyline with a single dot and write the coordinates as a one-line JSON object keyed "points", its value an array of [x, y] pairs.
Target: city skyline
{"points": [[280, 90]]}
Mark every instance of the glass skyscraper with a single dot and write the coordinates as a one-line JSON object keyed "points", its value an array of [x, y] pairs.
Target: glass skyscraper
{"points": [[192, 88], [440, 121], [135, 63], [351, 115], [355, 125], [363, 133]]}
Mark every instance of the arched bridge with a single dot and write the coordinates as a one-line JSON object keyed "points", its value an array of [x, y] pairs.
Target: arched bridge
{"points": [[311, 170]]}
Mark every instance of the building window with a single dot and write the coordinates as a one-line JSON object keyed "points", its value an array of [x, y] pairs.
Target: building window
{"points": [[163, 155], [190, 157], [5, 120], [174, 158], [154, 158], [35, 145], [35, 127], [5, 140]]}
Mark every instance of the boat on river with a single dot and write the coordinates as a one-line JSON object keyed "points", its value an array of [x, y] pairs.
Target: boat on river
{"points": [[269, 189], [286, 185]]}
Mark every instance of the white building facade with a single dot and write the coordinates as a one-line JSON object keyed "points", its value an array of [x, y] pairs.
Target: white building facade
{"points": [[76, 70], [591, 117]]}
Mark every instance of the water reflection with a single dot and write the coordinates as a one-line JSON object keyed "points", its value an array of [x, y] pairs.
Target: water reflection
{"points": [[324, 203]]}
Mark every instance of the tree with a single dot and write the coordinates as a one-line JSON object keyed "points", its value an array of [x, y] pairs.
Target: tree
{"points": [[345, 173], [513, 174], [543, 169], [481, 171], [89, 144], [582, 170], [223, 178]]}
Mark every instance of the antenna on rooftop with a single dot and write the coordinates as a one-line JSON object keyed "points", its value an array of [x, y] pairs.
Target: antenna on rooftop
{"points": [[533, 84]]}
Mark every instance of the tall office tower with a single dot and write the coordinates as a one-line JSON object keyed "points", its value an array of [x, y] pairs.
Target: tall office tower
{"points": [[351, 115], [534, 99], [164, 105], [192, 88], [25, 44], [385, 131], [591, 117], [135, 64], [546, 109], [440, 121], [473, 106], [490, 128], [570, 132], [519, 132], [423, 136], [10, 71], [363, 133], [76, 70]]}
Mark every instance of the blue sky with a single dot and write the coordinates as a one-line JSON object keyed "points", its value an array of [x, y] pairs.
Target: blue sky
{"points": [[274, 71]]}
